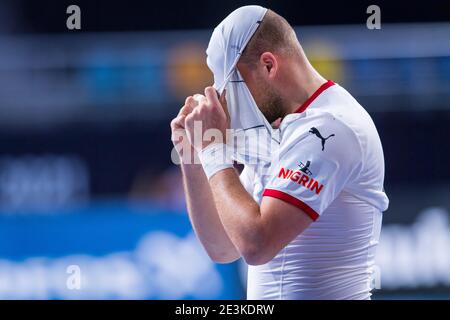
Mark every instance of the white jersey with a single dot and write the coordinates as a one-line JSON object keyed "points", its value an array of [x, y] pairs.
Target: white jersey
{"points": [[330, 165]]}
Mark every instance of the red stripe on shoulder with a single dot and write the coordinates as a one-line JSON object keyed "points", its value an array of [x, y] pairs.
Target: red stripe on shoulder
{"points": [[321, 89]]}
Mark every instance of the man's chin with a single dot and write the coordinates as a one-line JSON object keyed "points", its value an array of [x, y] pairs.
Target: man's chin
{"points": [[276, 124]]}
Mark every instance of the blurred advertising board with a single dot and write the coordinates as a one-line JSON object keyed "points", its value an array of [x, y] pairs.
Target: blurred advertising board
{"points": [[109, 251]]}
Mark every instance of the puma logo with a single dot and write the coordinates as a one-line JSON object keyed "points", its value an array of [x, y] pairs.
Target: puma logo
{"points": [[314, 130]]}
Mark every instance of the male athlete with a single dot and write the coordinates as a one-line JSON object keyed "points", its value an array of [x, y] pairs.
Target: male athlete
{"points": [[308, 225]]}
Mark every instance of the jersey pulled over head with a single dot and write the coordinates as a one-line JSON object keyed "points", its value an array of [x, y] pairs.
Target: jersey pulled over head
{"points": [[226, 46]]}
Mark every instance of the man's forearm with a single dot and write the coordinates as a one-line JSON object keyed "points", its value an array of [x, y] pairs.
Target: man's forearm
{"points": [[238, 211], [204, 217]]}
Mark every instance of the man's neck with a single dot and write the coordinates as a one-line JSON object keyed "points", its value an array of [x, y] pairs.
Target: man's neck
{"points": [[307, 80]]}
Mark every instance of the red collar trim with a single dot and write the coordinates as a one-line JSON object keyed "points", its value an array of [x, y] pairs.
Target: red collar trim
{"points": [[321, 89]]}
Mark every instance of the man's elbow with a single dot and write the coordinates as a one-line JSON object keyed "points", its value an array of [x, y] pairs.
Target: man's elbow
{"points": [[223, 257], [256, 255]]}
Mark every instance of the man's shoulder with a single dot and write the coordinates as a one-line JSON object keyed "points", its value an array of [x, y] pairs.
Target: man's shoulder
{"points": [[321, 124], [335, 113]]}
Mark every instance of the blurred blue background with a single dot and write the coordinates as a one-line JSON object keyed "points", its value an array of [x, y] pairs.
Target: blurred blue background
{"points": [[86, 178]]}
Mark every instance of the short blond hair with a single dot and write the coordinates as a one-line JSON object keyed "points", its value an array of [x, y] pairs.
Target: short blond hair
{"points": [[274, 34]]}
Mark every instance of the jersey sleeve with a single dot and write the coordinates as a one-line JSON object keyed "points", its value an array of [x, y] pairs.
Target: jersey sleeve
{"points": [[315, 163], [247, 179]]}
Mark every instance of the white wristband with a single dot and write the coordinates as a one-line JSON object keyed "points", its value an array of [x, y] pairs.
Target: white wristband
{"points": [[214, 158]]}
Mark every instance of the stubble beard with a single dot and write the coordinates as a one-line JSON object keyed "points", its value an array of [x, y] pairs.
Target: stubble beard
{"points": [[272, 107]]}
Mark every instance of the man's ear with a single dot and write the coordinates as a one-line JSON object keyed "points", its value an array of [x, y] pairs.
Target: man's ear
{"points": [[270, 63]]}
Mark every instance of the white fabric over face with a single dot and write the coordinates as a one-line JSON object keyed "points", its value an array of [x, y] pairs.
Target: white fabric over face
{"points": [[226, 45]]}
